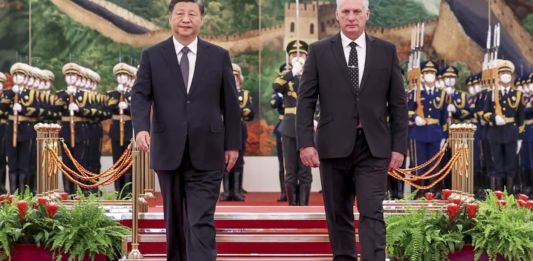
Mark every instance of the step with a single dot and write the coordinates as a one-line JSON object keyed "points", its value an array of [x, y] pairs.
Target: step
{"points": [[254, 257]]}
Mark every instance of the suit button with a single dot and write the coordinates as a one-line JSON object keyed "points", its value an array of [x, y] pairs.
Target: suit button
{"points": [[188, 101]]}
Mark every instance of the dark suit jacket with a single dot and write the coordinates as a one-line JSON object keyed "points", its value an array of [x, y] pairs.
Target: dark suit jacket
{"points": [[380, 104], [208, 117]]}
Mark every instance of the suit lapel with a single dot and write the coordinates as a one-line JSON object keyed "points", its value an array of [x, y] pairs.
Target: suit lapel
{"points": [[338, 52], [202, 63], [170, 57], [369, 63]]}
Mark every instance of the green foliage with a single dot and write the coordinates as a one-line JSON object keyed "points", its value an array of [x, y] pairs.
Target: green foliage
{"points": [[420, 235], [155, 12], [80, 231], [87, 232], [391, 13], [528, 23], [505, 230]]}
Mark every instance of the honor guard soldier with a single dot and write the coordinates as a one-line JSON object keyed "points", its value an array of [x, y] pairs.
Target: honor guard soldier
{"points": [[430, 121], [473, 86], [4, 112], [232, 182], [505, 110], [455, 99], [527, 146], [72, 102], [298, 177], [20, 134], [121, 130], [276, 101]]}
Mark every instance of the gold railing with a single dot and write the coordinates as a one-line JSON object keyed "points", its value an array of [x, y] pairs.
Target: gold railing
{"points": [[461, 142]]}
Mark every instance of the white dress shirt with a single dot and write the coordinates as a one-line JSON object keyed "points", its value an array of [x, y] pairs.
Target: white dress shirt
{"points": [[193, 48], [361, 52]]}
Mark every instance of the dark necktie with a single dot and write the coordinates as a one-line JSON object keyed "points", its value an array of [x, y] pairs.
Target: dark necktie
{"points": [[184, 66], [353, 66]]}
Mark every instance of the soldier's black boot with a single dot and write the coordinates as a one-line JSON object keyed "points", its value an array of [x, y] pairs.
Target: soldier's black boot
{"points": [[13, 183], [283, 195], [304, 193], [292, 194], [225, 196], [237, 195], [241, 190], [510, 188]]}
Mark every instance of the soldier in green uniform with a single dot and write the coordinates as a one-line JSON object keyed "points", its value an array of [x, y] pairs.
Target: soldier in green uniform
{"points": [[232, 182], [298, 177]]}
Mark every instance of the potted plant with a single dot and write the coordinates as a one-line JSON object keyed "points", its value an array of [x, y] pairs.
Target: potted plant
{"points": [[500, 228], [504, 229], [39, 224]]}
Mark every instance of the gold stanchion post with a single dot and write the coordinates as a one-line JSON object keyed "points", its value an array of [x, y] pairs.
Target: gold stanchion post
{"points": [[136, 180]]}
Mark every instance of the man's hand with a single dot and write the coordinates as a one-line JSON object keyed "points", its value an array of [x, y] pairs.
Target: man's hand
{"points": [[143, 140], [230, 158], [309, 157], [396, 160]]}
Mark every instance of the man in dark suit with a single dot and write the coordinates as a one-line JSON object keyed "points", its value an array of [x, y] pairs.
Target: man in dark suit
{"points": [[185, 111], [362, 131]]}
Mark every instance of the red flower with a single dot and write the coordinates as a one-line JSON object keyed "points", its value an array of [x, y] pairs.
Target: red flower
{"points": [[77, 198], [471, 210], [63, 195], [2, 198], [521, 203], [445, 194], [453, 210], [457, 201], [10, 199], [22, 205], [429, 196], [51, 209], [499, 194], [502, 202], [530, 204], [523, 197]]}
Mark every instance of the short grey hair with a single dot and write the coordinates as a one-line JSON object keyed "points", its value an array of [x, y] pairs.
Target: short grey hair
{"points": [[366, 4]]}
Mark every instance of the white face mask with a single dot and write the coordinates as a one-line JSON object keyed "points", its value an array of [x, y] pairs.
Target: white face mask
{"points": [[471, 90], [429, 77], [1, 86], [19, 78], [477, 87], [449, 81], [531, 87], [506, 78]]}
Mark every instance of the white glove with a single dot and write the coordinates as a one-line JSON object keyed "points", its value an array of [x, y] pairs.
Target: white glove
{"points": [[518, 146], [499, 120], [297, 67], [419, 121], [449, 90], [315, 124], [442, 143], [122, 105], [16, 89], [120, 88], [451, 108], [71, 90], [17, 107], [73, 107]]}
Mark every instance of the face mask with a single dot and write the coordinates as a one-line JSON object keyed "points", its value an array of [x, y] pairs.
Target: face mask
{"points": [[506, 78], [19, 78], [449, 81], [1, 86], [429, 77], [477, 87], [531, 87], [472, 90]]}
